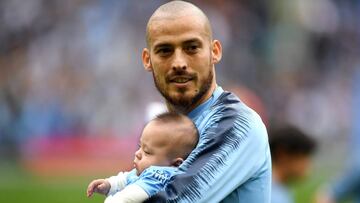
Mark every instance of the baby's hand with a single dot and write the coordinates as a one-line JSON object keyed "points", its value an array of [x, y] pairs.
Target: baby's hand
{"points": [[100, 186]]}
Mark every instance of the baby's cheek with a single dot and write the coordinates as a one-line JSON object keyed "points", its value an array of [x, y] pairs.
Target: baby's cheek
{"points": [[148, 163]]}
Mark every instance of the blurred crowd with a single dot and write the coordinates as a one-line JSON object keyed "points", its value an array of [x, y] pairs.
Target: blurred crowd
{"points": [[73, 67]]}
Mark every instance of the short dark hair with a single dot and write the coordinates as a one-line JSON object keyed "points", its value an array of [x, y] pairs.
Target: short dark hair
{"points": [[173, 116], [190, 130], [290, 140]]}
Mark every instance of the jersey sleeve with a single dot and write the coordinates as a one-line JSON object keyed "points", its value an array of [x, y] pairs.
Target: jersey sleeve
{"points": [[155, 178], [233, 148], [117, 182]]}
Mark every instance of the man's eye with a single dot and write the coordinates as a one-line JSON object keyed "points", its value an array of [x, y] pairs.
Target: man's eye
{"points": [[147, 153], [163, 51], [192, 48]]}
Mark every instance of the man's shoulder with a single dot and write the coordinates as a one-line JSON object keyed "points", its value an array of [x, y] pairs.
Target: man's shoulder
{"points": [[230, 106], [229, 115]]}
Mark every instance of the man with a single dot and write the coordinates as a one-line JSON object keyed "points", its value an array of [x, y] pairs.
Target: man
{"points": [[231, 162], [291, 152]]}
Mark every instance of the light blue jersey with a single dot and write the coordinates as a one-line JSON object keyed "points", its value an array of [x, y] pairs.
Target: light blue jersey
{"points": [[152, 179], [231, 162]]}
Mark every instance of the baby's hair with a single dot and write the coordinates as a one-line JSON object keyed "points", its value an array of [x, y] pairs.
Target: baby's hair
{"points": [[190, 134]]}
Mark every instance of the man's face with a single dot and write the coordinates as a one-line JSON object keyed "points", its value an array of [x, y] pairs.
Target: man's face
{"points": [[180, 57], [154, 148]]}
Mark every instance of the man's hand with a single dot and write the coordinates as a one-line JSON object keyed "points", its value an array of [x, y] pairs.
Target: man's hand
{"points": [[100, 186]]}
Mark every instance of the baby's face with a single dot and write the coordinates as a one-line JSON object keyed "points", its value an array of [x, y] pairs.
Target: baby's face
{"points": [[154, 147]]}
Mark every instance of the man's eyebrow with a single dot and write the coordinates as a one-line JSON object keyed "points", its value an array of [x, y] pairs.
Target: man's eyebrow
{"points": [[162, 45], [167, 44], [194, 40]]}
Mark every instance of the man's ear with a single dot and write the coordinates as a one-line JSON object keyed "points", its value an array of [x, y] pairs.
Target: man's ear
{"points": [[177, 162], [216, 51], [146, 59]]}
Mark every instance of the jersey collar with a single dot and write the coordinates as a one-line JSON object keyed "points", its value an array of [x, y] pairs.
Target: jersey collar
{"points": [[206, 105]]}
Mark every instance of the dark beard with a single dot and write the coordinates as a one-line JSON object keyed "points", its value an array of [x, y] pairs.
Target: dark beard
{"points": [[183, 104]]}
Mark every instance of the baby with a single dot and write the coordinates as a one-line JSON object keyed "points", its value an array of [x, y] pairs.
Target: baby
{"points": [[165, 143]]}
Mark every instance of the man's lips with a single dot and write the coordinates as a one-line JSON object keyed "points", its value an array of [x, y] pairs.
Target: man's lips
{"points": [[180, 79]]}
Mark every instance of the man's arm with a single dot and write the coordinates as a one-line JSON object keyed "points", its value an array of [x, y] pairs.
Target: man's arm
{"points": [[233, 149]]}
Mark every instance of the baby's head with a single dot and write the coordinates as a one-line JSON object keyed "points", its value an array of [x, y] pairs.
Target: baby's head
{"points": [[166, 140]]}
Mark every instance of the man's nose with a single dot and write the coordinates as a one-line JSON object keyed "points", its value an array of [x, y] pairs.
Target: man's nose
{"points": [[179, 60]]}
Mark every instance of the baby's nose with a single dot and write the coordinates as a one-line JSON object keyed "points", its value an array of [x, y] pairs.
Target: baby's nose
{"points": [[138, 154]]}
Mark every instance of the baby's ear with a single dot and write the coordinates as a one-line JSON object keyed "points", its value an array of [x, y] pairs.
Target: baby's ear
{"points": [[177, 162]]}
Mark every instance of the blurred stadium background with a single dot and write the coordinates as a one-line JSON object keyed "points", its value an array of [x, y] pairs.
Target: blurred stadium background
{"points": [[74, 95]]}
